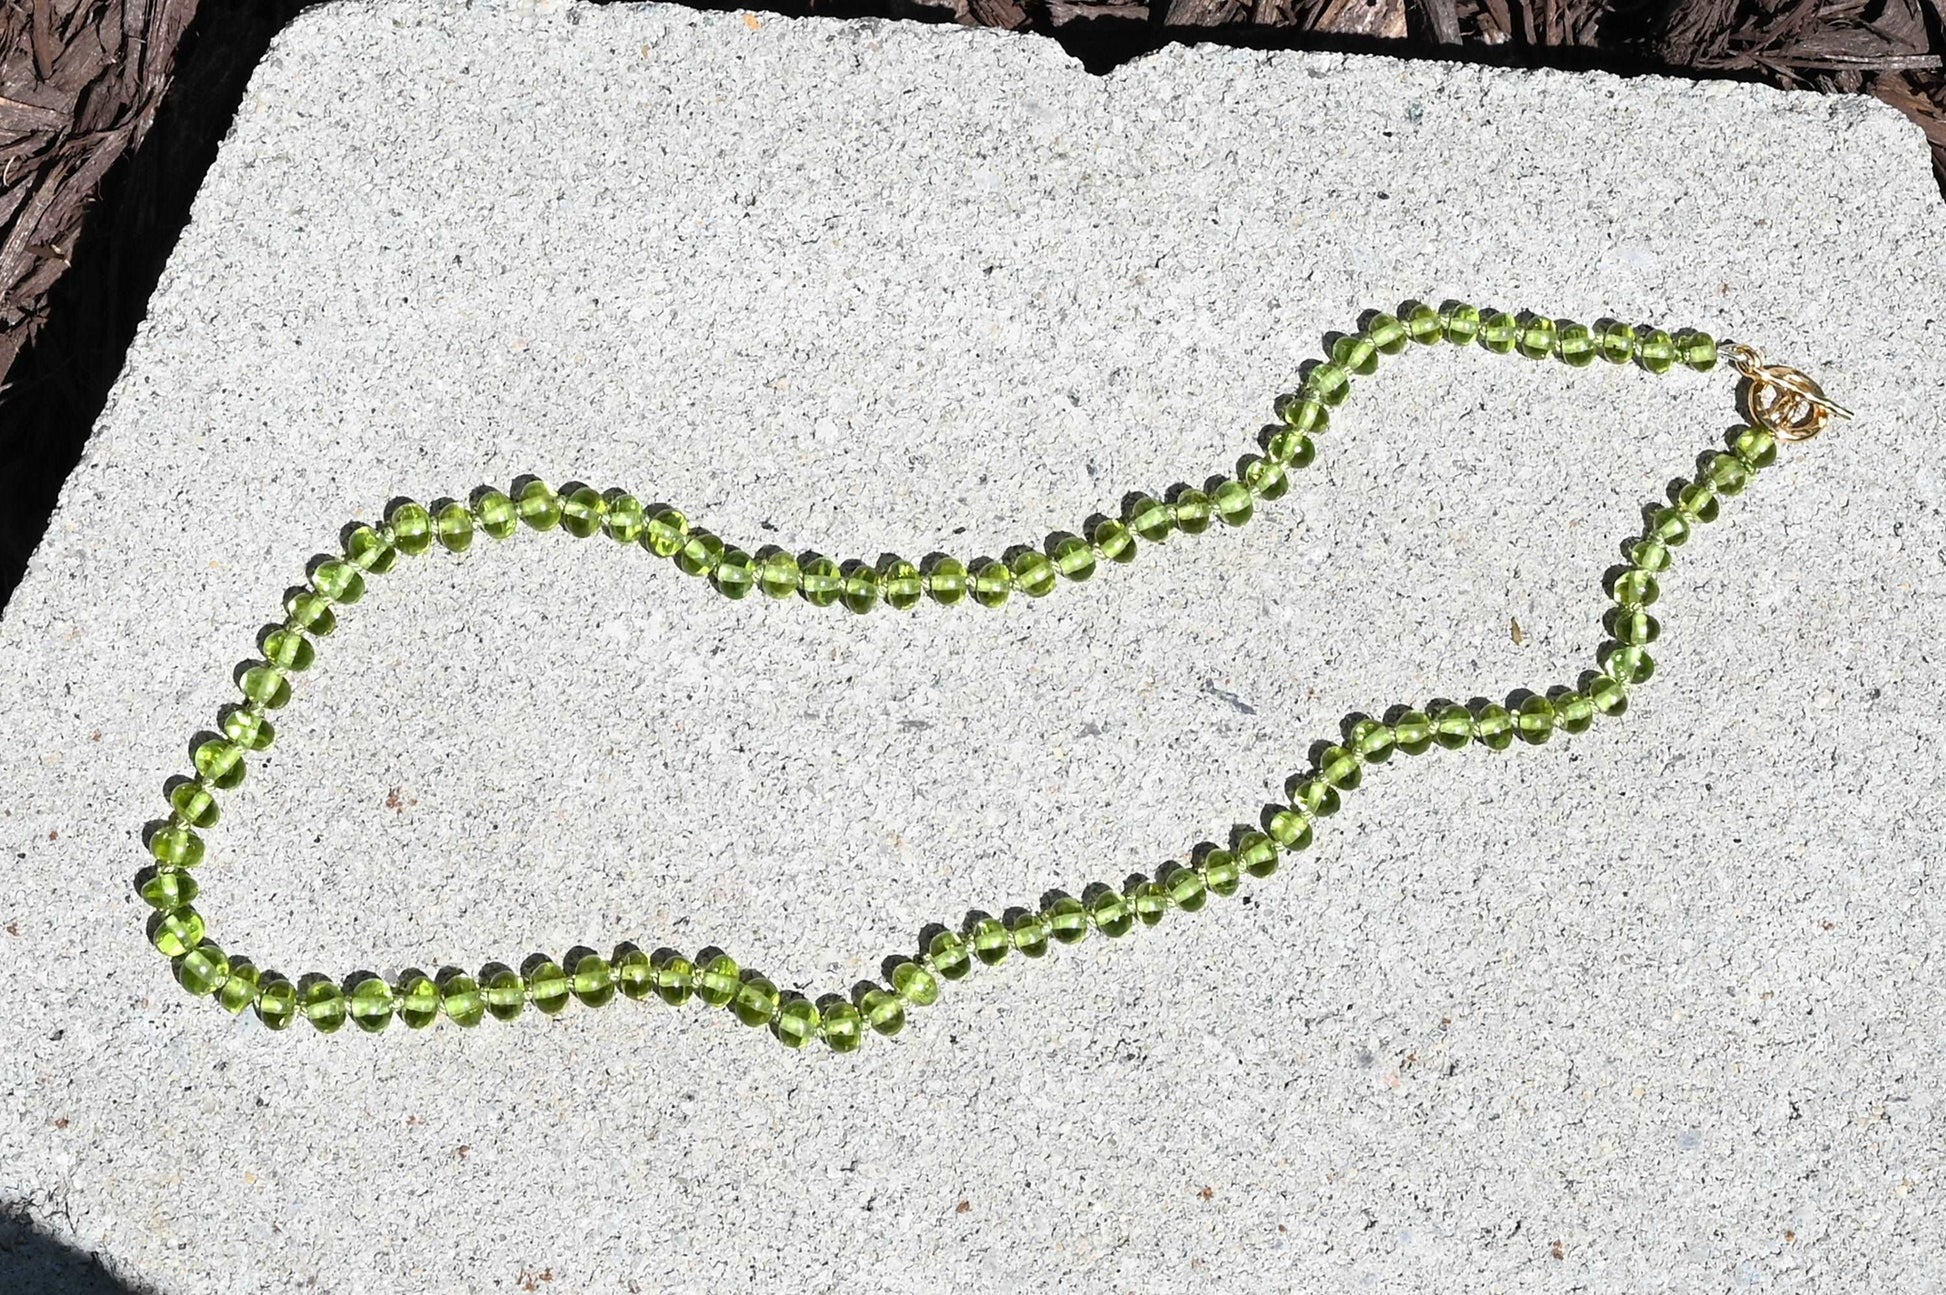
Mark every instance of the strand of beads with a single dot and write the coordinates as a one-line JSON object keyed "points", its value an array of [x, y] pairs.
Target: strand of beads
{"points": [[713, 978]]}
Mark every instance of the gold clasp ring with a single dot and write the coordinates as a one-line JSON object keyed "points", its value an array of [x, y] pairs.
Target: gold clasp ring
{"points": [[1780, 399]]}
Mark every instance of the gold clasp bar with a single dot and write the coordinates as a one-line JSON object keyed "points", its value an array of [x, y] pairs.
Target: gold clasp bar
{"points": [[1782, 400]]}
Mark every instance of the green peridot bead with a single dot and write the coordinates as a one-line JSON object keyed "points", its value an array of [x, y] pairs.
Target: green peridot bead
{"points": [[1534, 722], [1649, 555], [538, 506], [1756, 447], [1636, 588], [1608, 696], [1460, 322], [1356, 353], [990, 940], [1670, 525], [1187, 889], [592, 980], [411, 526], [1150, 902], [1726, 474], [503, 991], [1151, 519], [460, 999], [900, 583], [883, 1011], [1633, 625], [1387, 333], [1422, 323], [915, 984], [247, 727], [796, 1023], [777, 574], [1233, 503], [1290, 827], [276, 1003], [665, 532], [202, 970], [322, 1004], [1112, 542], [1696, 349], [1629, 664], [339, 581], [1302, 413], [1033, 574], [1493, 727], [1291, 448], [735, 573], [756, 1001], [700, 553], [1221, 875], [717, 980], [843, 1026], [219, 762], [416, 999], [583, 511], [176, 847], [1655, 350], [1573, 712], [622, 517], [1328, 384], [1615, 341], [266, 686], [167, 888], [1266, 479], [861, 589], [947, 955], [1499, 331], [1413, 732], [311, 612], [992, 581], [946, 582], [1067, 920], [240, 989], [1030, 934], [820, 580], [1109, 912], [370, 551], [547, 984], [1698, 502], [1341, 768], [1256, 854], [494, 512], [288, 649], [370, 1004], [1072, 556], [1536, 338], [452, 525], [675, 979], [634, 973], [1373, 741], [1452, 726], [1574, 344]]}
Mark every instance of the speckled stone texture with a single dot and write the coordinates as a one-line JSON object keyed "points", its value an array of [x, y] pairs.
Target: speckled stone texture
{"points": [[1657, 1008]]}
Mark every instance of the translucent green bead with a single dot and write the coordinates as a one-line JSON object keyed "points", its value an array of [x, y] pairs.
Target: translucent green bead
{"points": [[946, 581], [861, 589], [1670, 525], [843, 1027], [990, 940], [1636, 588], [177, 847], [219, 762], [592, 980], [267, 686], [288, 649], [1422, 323], [370, 552], [756, 1001], [1655, 350], [240, 989], [1534, 722], [247, 727], [1150, 902], [322, 1004], [1696, 349], [1453, 726], [1187, 890], [1291, 828], [1574, 344], [1756, 447], [1256, 854], [675, 979], [1629, 665], [665, 532], [276, 1001], [1314, 796], [547, 984], [1386, 332], [992, 581], [735, 573], [1067, 920], [1110, 914], [1536, 338], [777, 574], [1033, 574], [1573, 712], [1341, 768], [370, 1004], [1328, 384], [1232, 503], [1499, 331], [1493, 727], [915, 984], [461, 1000], [583, 511], [311, 612], [1112, 541], [1221, 875], [1030, 934], [1649, 555], [452, 525], [820, 580], [901, 584], [1413, 732], [1460, 322], [1608, 696], [700, 553], [1615, 341], [1151, 519], [1633, 625], [796, 1024], [167, 888], [1303, 414], [504, 992], [717, 981], [494, 513], [1698, 502], [411, 526], [1291, 448], [1266, 479], [947, 955], [634, 973], [623, 518], [339, 581], [1373, 741], [1073, 557], [203, 969], [418, 999], [1726, 474], [538, 506], [1356, 353], [883, 1011]]}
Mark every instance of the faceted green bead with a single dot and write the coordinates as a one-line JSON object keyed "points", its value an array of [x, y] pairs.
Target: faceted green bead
{"points": [[1304, 414], [665, 532], [1615, 341], [276, 1001], [1341, 768], [1460, 322], [1608, 696], [1193, 512], [311, 612], [675, 980], [460, 998], [494, 512], [168, 888], [240, 989], [417, 999], [1151, 519], [756, 1001], [219, 762], [1536, 338], [1756, 447], [177, 847], [592, 980], [247, 727], [915, 984], [1356, 353], [634, 973], [946, 954], [1573, 712], [1314, 796], [583, 511], [1328, 384], [538, 506], [203, 969], [1499, 331], [718, 980], [1030, 934], [843, 1027], [323, 1005], [1636, 588], [883, 1011], [1698, 502], [990, 940], [1233, 503], [820, 580], [946, 582], [370, 552], [1112, 541], [1670, 525], [1187, 889], [992, 581], [1655, 350], [735, 573], [267, 686], [1150, 902], [288, 649], [339, 581], [1696, 349], [547, 985], [1534, 722], [1574, 344], [504, 992], [777, 574], [411, 527], [1256, 854], [1726, 474], [1453, 726], [901, 584], [700, 553], [1067, 920], [1291, 828], [1221, 875], [623, 518], [1386, 332], [1493, 727], [1291, 448], [861, 589], [1413, 732], [1629, 665], [1034, 575], [1266, 479], [1649, 555], [1373, 741], [1073, 557], [1633, 625], [1422, 323], [1110, 914], [370, 1004], [796, 1024]]}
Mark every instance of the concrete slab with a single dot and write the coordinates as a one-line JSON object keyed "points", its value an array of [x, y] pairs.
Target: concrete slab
{"points": [[1657, 1008]]}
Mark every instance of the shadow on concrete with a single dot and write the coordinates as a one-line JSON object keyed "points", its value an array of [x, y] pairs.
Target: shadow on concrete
{"points": [[33, 1260]]}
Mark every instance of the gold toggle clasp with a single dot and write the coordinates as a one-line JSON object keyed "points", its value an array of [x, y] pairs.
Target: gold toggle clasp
{"points": [[1780, 399]]}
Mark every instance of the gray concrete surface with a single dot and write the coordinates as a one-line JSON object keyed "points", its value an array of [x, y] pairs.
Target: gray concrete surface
{"points": [[1655, 1009]]}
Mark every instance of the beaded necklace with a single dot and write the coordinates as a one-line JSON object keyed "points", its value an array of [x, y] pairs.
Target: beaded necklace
{"points": [[1777, 403]]}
